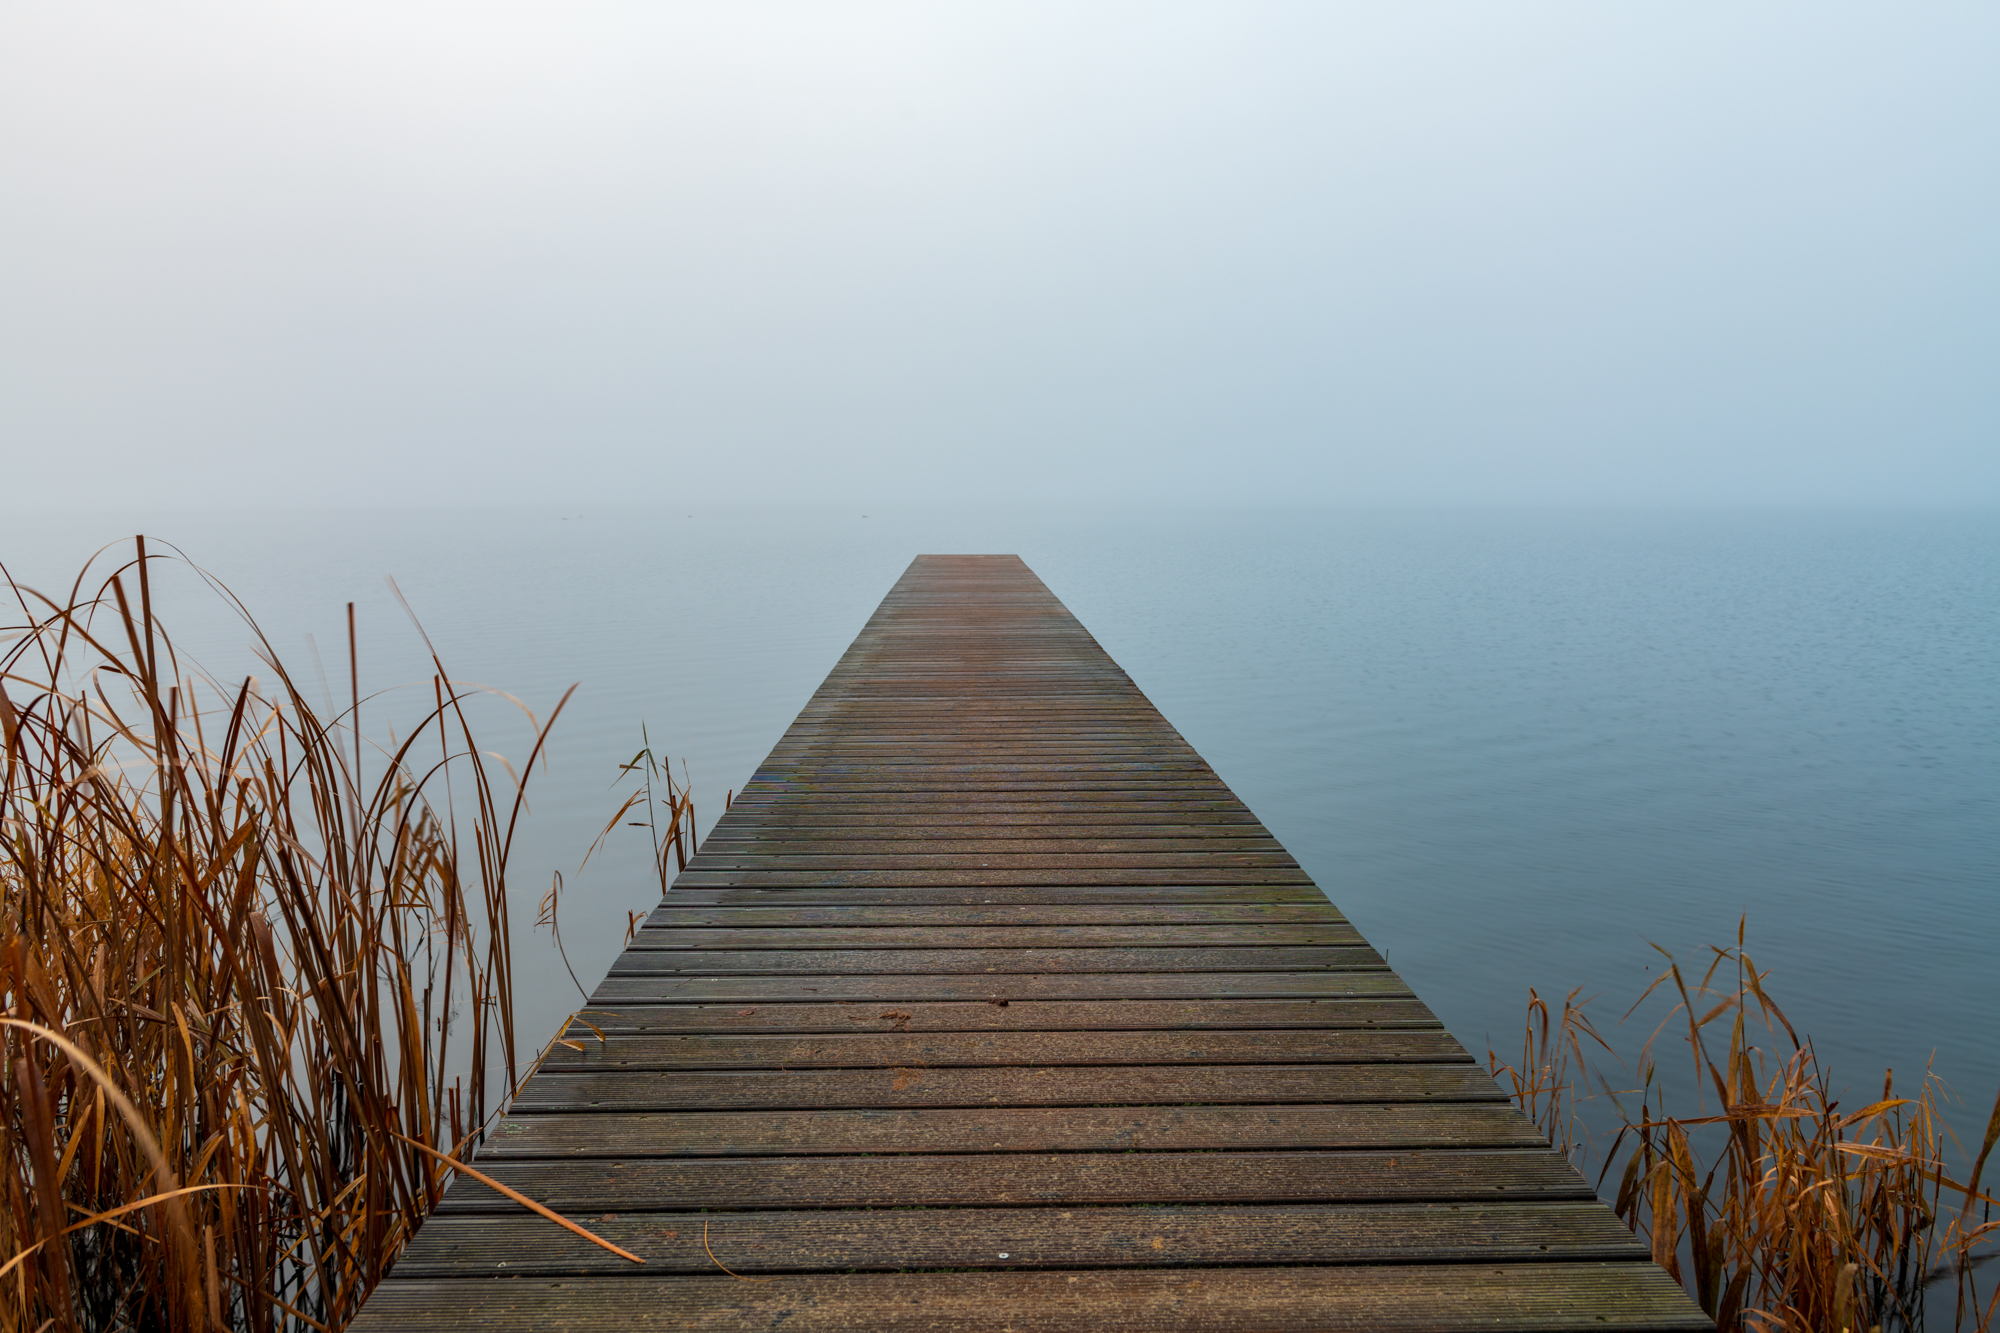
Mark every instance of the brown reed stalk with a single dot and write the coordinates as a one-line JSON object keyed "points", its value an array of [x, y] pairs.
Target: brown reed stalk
{"points": [[676, 837], [1553, 1065], [1780, 1211], [256, 980]]}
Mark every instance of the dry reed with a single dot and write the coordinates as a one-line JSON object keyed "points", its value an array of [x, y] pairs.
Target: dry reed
{"points": [[257, 977], [1777, 1209]]}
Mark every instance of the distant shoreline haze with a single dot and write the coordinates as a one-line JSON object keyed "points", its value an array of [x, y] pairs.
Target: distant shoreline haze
{"points": [[1112, 252]]}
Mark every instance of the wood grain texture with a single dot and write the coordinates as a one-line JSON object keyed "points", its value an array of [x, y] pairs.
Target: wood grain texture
{"points": [[885, 1050], [990, 895], [910, 1180], [1000, 959], [1016, 1238], [987, 1005], [665, 988], [1519, 1298], [803, 936], [863, 849], [1007, 1129], [683, 916], [1080, 877], [1018, 1016], [1039, 1085]]}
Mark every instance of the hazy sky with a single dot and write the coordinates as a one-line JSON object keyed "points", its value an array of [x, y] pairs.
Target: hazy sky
{"points": [[1379, 253]]}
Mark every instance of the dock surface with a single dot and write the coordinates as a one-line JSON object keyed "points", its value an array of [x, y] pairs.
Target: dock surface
{"points": [[987, 1005]]}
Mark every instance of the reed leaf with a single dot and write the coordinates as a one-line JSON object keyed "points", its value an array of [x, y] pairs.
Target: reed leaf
{"points": [[255, 973], [1778, 1210]]}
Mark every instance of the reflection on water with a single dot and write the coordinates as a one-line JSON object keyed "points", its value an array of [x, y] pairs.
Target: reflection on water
{"points": [[1514, 747]]}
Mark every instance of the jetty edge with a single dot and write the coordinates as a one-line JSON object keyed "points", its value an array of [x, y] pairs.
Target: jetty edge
{"points": [[988, 1005]]}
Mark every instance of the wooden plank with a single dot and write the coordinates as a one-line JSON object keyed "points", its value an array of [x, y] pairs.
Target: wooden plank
{"points": [[998, 877], [835, 732], [1190, 831], [1154, 803], [990, 895], [951, 741], [997, 858], [1187, 767], [1411, 1298], [902, 989], [1181, 961], [861, 719], [982, 817], [835, 811], [986, 1179], [967, 838], [802, 935], [1050, 1085], [863, 850], [989, 777], [1008, 1129], [1016, 1016], [885, 1050], [674, 912], [1017, 1238], [936, 750]]}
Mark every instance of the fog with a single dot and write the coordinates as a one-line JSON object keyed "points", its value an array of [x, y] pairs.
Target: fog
{"points": [[1420, 253]]}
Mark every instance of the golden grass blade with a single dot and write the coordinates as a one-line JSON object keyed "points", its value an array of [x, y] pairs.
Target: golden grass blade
{"points": [[121, 1210], [521, 1199], [232, 957], [719, 1264], [1779, 1212], [141, 1131], [1986, 1145]]}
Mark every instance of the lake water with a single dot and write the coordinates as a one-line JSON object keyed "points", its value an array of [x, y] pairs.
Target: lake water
{"points": [[1513, 746]]}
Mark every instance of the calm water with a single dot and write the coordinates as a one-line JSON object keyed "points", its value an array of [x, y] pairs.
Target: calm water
{"points": [[1514, 747]]}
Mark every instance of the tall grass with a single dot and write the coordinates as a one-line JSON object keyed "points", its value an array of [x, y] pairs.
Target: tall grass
{"points": [[1779, 1210], [653, 792], [256, 973]]}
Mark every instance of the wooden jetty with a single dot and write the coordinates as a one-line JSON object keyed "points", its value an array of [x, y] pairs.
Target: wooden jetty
{"points": [[988, 1006]]}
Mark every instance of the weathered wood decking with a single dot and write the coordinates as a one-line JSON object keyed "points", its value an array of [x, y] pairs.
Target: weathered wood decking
{"points": [[989, 1006]]}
